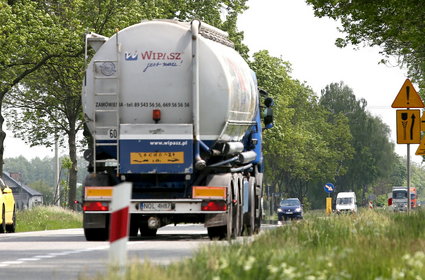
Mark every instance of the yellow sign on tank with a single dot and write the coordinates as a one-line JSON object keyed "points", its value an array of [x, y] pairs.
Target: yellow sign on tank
{"points": [[157, 158]]}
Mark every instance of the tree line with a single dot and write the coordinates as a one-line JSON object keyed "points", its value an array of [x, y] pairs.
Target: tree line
{"points": [[317, 138]]}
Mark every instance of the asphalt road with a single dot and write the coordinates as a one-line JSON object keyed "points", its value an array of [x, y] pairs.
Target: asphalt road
{"points": [[65, 254]]}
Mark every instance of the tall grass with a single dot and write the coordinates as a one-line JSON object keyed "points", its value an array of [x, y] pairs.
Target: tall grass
{"points": [[47, 218], [369, 245]]}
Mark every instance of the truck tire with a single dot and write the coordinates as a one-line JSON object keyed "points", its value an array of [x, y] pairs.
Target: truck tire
{"points": [[217, 232], [258, 219], [12, 227], [147, 232], [230, 219], [252, 197], [238, 211], [96, 234], [134, 226]]}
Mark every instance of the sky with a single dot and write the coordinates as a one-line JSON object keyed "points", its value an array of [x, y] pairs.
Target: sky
{"points": [[288, 29]]}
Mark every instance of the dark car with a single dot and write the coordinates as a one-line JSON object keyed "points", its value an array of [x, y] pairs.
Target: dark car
{"points": [[290, 208]]}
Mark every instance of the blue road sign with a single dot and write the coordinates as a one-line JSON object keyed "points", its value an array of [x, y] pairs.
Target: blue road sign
{"points": [[329, 187]]}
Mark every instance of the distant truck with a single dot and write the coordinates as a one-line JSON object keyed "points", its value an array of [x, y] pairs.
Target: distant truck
{"points": [[173, 109], [399, 198], [346, 202]]}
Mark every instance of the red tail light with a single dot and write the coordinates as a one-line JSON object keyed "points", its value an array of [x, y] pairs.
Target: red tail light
{"points": [[96, 206], [156, 115], [214, 206]]}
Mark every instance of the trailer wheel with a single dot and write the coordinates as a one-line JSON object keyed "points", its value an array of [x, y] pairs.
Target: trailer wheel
{"points": [[134, 226], [226, 231], [147, 232], [217, 232], [96, 234], [238, 215], [252, 197], [231, 218], [258, 218]]}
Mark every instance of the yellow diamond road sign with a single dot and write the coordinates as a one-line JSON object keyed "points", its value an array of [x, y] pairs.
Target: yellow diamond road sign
{"points": [[421, 149], [408, 126], [407, 97]]}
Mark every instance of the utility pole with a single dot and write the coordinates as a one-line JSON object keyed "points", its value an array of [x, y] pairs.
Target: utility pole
{"points": [[57, 173]]}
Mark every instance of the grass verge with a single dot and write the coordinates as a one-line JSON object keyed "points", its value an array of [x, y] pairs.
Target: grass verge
{"points": [[368, 245], [47, 218]]}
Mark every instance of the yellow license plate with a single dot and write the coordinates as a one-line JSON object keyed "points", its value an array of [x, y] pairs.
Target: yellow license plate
{"points": [[157, 158]]}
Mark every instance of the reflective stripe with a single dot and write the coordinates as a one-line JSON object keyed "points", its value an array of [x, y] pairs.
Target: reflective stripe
{"points": [[119, 224]]}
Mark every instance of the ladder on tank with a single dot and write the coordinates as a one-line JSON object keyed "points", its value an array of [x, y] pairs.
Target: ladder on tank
{"points": [[106, 120]]}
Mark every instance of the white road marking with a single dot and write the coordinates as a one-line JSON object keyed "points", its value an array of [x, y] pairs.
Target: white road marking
{"points": [[50, 256], [12, 262]]}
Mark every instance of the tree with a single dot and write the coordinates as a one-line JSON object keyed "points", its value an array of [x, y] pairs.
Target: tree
{"points": [[222, 14], [29, 38], [49, 105], [395, 26], [374, 155], [308, 143]]}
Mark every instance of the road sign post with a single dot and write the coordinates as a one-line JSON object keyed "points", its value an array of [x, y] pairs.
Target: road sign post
{"points": [[118, 233], [408, 123], [329, 188]]}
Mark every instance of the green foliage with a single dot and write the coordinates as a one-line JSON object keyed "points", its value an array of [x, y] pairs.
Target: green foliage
{"points": [[395, 26], [66, 163], [417, 177], [308, 143], [370, 245], [47, 218], [222, 14], [374, 155]]}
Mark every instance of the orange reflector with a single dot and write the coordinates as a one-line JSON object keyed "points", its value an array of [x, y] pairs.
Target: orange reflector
{"points": [[209, 192], [98, 192], [96, 206]]}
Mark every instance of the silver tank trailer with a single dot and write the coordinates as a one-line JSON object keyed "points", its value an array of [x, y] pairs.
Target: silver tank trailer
{"points": [[149, 66]]}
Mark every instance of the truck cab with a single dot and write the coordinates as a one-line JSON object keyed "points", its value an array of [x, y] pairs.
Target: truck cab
{"points": [[399, 198]]}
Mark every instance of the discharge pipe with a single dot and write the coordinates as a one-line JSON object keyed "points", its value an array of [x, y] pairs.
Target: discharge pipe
{"points": [[247, 157], [199, 162]]}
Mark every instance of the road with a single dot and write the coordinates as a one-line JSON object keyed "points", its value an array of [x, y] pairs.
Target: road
{"points": [[65, 254]]}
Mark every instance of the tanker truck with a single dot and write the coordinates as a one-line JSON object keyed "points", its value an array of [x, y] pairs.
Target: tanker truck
{"points": [[174, 110]]}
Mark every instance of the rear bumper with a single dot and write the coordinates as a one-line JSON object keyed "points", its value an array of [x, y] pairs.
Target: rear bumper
{"points": [[296, 215], [181, 210]]}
